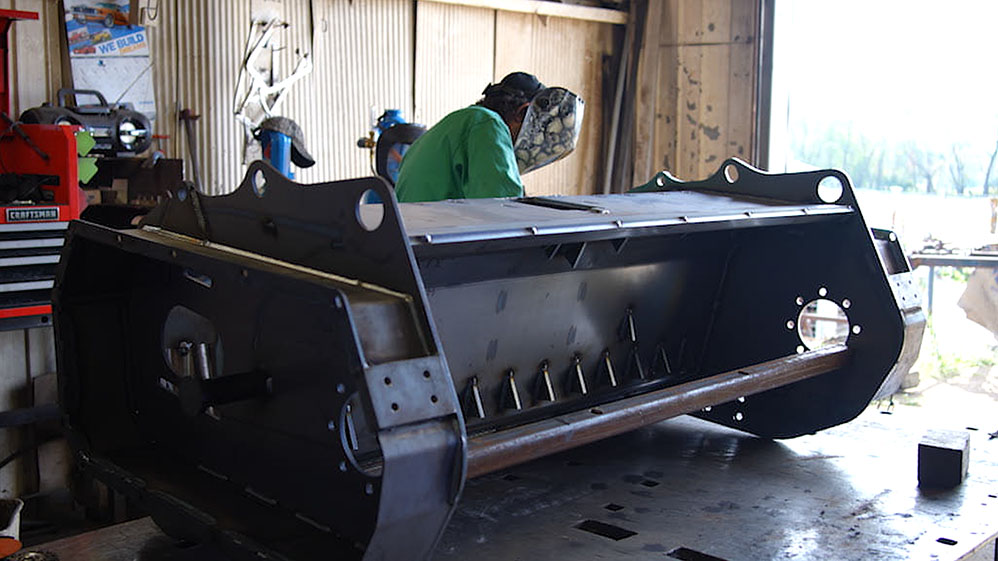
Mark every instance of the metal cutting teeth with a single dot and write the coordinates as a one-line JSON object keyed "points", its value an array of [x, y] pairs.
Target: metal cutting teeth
{"points": [[511, 395], [576, 378], [544, 388]]}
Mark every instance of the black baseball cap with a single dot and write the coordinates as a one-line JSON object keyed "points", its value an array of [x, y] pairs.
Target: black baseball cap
{"points": [[516, 83]]}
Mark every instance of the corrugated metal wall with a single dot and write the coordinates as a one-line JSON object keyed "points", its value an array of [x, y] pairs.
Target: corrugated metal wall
{"points": [[34, 47], [162, 37], [362, 57]]}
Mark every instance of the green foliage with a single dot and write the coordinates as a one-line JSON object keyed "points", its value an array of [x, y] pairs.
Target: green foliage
{"points": [[935, 364], [959, 274], [875, 162]]}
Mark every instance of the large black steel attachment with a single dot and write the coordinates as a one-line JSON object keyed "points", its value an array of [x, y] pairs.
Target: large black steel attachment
{"points": [[295, 374]]}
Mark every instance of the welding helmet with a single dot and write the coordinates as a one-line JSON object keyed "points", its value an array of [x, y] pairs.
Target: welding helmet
{"points": [[550, 129]]}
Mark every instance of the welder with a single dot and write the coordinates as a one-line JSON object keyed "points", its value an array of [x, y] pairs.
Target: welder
{"points": [[481, 151]]}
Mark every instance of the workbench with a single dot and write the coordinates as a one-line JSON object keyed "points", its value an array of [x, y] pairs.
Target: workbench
{"points": [[688, 489]]}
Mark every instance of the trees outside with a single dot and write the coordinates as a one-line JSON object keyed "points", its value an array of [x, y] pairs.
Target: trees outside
{"points": [[882, 163]]}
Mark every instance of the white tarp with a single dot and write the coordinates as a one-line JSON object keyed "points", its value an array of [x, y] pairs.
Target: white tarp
{"points": [[980, 299]]}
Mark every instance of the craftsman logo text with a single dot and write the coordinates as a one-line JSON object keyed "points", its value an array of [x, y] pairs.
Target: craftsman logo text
{"points": [[32, 214]]}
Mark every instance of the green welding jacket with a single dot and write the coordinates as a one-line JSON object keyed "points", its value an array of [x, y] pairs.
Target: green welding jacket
{"points": [[467, 155]]}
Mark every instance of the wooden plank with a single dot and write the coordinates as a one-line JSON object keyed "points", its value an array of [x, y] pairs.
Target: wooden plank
{"points": [[40, 367], [706, 86], [41, 349], [742, 90], [666, 133], [667, 104], [668, 32], [566, 53], [55, 459], [29, 58], [742, 101], [56, 59], [715, 20], [688, 18], [744, 22], [715, 25], [713, 118], [691, 88], [648, 88], [12, 374], [454, 58], [543, 8]]}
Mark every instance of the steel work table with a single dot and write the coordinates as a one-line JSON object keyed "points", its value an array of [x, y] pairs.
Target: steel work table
{"points": [[848, 493]]}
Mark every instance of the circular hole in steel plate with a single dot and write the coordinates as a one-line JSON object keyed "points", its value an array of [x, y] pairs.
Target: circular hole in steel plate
{"points": [[822, 323], [370, 214], [259, 183], [731, 173], [830, 189]]}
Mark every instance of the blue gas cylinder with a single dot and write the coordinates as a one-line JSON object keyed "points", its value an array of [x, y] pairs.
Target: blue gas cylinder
{"points": [[389, 119]]}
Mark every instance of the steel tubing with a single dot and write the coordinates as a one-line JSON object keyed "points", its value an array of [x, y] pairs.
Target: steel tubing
{"points": [[491, 452]]}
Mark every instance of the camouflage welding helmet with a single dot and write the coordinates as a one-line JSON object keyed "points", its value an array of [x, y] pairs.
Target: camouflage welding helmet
{"points": [[550, 129]]}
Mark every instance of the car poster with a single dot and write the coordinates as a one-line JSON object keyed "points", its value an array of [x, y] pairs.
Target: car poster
{"points": [[109, 55]]}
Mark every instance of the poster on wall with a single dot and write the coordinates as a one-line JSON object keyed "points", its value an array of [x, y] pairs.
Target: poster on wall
{"points": [[109, 55]]}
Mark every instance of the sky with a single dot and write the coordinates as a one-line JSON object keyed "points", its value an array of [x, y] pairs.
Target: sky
{"points": [[913, 69]]}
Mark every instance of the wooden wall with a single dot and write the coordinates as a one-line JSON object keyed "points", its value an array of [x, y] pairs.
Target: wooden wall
{"points": [[568, 53], [460, 49], [696, 87]]}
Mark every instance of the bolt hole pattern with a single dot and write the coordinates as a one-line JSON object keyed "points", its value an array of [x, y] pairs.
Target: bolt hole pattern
{"points": [[395, 407]]}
